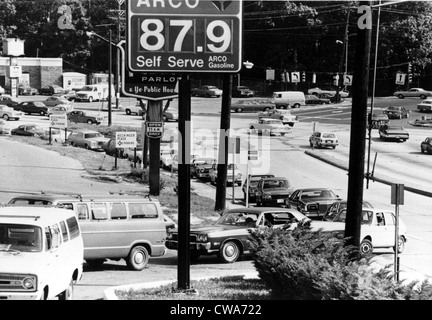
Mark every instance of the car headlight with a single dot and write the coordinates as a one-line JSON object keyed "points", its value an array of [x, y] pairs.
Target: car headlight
{"points": [[202, 238], [266, 196], [29, 283]]}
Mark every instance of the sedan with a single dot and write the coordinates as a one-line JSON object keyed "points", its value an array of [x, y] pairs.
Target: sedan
{"points": [[252, 184], [379, 119], [413, 92], [425, 106], [8, 113], [32, 107], [313, 99], [27, 90], [269, 126], [329, 90], [313, 202], [200, 167], [396, 112], [274, 191], [7, 100], [334, 210], [285, 115], [426, 145], [56, 100], [397, 133], [228, 238], [50, 90], [29, 130], [88, 139], [253, 105], [4, 128]]}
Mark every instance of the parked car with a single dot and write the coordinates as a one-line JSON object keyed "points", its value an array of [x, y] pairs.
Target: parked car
{"points": [[313, 202], [110, 148], [253, 105], [425, 106], [167, 116], [79, 116], [285, 115], [329, 90], [426, 145], [253, 183], [313, 99], [30, 107], [135, 109], [396, 112], [377, 229], [379, 119], [337, 206], [25, 90], [274, 191], [269, 126], [200, 167], [50, 90], [332, 98], [30, 130], [59, 109], [323, 140], [398, 133], [56, 100], [5, 129], [228, 238], [57, 135], [413, 92], [88, 139], [8, 113], [235, 178], [206, 91], [425, 121], [8, 100], [70, 94], [242, 92]]}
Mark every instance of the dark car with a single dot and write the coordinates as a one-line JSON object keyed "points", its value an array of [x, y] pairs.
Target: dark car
{"points": [[395, 133], [378, 120], [27, 90], [273, 191], [29, 130], [426, 145], [200, 167], [9, 100], [331, 97], [242, 92], [396, 112], [32, 107], [338, 206], [253, 183], [110, 149], [253, 105], [79, 116], [228, 238], [313, 202], [313, 99], [50, 90]]}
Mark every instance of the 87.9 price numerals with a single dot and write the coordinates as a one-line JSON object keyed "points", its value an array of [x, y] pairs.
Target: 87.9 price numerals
{"points": [[186, 35]]}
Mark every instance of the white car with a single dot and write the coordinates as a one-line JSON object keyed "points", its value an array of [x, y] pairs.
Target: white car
{"points": [[8, 113], [323, 139], [377, 229], [269, 126], [5, 129], [285, 115], [233, 179], [425, 106], [413, 92], [316, 91]]}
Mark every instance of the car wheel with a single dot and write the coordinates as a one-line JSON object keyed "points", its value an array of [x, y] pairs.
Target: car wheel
{"points": [[6, 117], [282, 134], [297, 105], [87, 146], [164, 118], [366, 247], [89, 122], [95, 263], [266, 109], [401, 245], [258, 202], [128, 112], [42, 113], [229, 252], [90, 99], [239, 110], [400, 96], [422, 97], [68, 293], [138, 258], [334, 147]]}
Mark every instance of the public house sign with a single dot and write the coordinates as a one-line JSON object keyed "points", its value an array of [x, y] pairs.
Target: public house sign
{"points": [[184, 36]]}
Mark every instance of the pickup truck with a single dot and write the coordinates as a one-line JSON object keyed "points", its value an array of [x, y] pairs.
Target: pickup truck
{"points": [[85, 117], [206, 91]]}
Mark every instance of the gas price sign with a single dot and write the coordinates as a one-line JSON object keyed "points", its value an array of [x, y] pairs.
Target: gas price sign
{"points": [[184, 35]]}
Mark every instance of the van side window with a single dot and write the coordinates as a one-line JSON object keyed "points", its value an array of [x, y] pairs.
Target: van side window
{"points": [[73, 227], [82, 211], [142, 210], [64, 231], [99, 211], [118, 211]]}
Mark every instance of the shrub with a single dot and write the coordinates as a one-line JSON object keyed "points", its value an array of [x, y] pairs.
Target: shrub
{"points": [[308, 265]]}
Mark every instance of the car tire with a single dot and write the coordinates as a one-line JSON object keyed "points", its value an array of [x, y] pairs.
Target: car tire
{"points": [[258, 202], [229, 252], [266, 109], [42, 113], [95, 263], [366, 247], [89, 122], [128, 112], [5, 117], [138, 258], [282, 134], [86, 146], [401, 245], [239, 110], [164, 118], [68, 293], [90, 99], [400, 96], [297, 105], [422, 97]]}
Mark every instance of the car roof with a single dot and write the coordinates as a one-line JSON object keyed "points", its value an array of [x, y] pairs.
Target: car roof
{"points": [[260, 209], [52, 197], [86, 131], [35, 215], [311, 189], [274, 178]]}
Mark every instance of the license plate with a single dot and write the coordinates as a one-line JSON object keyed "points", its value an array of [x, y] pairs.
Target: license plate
{"points": [[328, 141], [280, 200]]}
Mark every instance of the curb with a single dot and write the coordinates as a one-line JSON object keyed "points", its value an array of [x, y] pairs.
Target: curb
{"points": [[109, 294]]}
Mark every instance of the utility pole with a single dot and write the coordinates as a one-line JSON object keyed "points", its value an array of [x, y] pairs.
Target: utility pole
{"points": [[358, 124], [222, 166], [345, 43]]}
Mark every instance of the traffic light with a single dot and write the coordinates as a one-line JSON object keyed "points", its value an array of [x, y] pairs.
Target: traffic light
{"points": [[409, 73], [283, 77], [304, 77]]}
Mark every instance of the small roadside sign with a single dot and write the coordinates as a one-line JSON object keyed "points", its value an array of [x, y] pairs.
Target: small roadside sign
{"points": [[58, 121], [154, 129], [400, 78], [347, 79], [125, 139], [295, 77]]}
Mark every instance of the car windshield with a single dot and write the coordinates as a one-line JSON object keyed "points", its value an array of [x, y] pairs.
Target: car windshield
{"points": [[328, 135], [203, 161], [93, 135], [23, 238], [276, 183], [33, 128], [245, 219], [86, 88], [318, 194], [39, 104]]}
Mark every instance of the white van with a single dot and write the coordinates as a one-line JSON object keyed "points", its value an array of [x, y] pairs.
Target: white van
{"points": [[94, 92], [41, 253], [284, 99]]}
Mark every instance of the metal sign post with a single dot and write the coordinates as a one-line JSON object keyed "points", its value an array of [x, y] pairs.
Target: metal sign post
{"points": [[397, 198]]}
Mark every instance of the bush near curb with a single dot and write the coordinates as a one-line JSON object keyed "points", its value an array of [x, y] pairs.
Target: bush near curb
{"points": [[308, 265]]}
